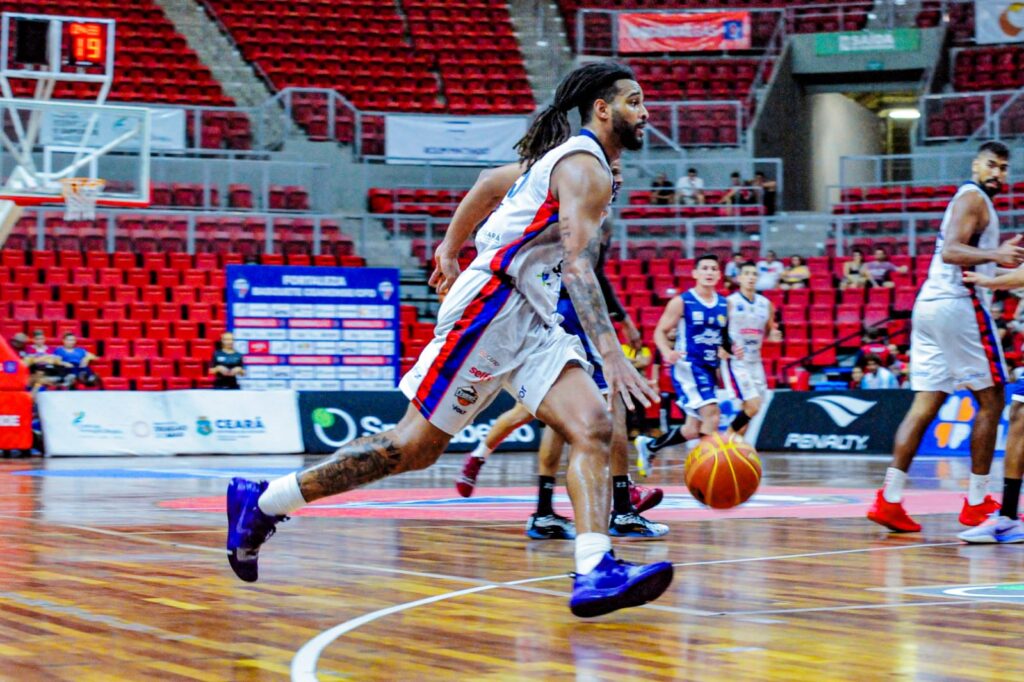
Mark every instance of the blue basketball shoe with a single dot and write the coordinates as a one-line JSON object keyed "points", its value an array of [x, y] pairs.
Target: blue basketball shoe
{"points": [[248, 527], [615, 584]]}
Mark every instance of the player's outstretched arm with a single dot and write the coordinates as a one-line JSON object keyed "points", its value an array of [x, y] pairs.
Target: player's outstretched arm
{"points": [[1013, 279], [970, 216], [483, 197], [581, 186]]}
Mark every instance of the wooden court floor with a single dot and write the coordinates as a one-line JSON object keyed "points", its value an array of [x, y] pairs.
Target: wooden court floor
{"points": [[113, 569]]}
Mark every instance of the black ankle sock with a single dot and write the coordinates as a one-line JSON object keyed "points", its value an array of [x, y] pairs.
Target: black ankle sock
{"points": [[545, 491], [1011, 497], [620, 495], [739, 421], [674, 436]]}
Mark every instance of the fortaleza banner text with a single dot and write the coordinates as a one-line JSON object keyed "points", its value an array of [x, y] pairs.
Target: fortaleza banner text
{"points": [[683, 32], [170, 422]]}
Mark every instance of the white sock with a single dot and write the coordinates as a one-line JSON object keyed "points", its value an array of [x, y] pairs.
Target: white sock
{"points": [[282, 496], [481, 450], [977, 489], [895, 479], [590, 548]]}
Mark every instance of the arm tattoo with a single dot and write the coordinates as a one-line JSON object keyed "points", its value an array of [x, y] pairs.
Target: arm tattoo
{"points": [[585, 291], [360, 462]]}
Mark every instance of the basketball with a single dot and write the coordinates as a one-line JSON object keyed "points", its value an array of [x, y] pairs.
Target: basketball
{"points": [[723, 473]]}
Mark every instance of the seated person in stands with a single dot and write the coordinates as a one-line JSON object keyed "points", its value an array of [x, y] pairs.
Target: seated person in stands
{"points": [[40, 357], [856, 376], [663, 191], [854, 276], [769, 270], [75, 361], [877, 376], [874, 343], [879, 271], [20, 345], [740, 192], [732, 270], [797, 275], [227, 363], [690, 189]]}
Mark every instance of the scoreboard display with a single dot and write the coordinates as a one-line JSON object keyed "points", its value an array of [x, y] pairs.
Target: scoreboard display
{"points": [[59, 41]]}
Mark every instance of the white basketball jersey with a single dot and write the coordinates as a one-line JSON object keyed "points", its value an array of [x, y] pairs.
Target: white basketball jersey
{"points": [[945, 280], [747, 322], [515, 241]]}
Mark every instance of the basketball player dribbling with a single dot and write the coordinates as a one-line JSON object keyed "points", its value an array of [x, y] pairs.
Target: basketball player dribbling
{"points": [[628, 500], [700, 318], [499, 319], [953, 343], [751, 320]]}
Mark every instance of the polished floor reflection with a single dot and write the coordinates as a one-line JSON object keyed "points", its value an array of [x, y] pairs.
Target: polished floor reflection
{"points": [[113, 569]]}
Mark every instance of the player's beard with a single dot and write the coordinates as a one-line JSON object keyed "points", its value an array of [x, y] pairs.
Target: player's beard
{"points": [[991, 190], [627, 133]]}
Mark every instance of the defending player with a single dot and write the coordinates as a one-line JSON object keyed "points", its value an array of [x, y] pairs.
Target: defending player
{"points": [[499, 318], [699, 317], [953, 343], [751, 320], [1006, 526]]}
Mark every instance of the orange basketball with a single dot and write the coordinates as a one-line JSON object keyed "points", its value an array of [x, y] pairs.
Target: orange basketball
{"points": [[722, 473]]}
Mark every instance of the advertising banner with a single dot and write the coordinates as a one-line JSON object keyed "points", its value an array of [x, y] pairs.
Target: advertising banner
{"points": [[950, 433], [998, 21], [892, 40], [683, 32], [331, 419], [104, 423], [477, 139], [855, 422], [66, 128], [313, 328]]}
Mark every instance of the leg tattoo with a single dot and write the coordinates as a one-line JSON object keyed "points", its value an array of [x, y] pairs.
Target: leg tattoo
{"points": [[360, 462]]}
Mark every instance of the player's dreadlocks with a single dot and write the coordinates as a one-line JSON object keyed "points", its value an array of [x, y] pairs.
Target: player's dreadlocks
{"points": [[580, 89]]}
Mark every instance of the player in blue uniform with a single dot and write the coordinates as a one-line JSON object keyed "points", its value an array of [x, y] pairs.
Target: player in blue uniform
{"points": [[700, 319]]}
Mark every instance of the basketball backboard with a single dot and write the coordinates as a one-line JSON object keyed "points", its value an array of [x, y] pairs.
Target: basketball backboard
{"points": [[43, 142]]}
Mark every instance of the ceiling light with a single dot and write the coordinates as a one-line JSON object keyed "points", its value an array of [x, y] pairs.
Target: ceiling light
{"points": [[904, 114]]}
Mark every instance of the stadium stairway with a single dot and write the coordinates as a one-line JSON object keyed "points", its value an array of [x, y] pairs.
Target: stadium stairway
{"points": [[544, 44], [216, 51]]}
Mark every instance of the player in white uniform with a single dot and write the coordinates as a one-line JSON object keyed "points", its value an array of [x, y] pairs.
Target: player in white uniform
{"points": [[751, 321], [498, 328], [953, 343]]}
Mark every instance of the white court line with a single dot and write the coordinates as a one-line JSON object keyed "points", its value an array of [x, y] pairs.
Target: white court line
{"points": [[855, 607], [303, 667]]}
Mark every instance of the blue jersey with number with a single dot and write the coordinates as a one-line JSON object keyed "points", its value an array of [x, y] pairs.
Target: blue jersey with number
{"points": [[701, 327]]}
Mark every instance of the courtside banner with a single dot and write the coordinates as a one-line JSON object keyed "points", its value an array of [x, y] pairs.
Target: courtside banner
{"points": [[998, 21], [101, 423], [857, 422], [470, 139], [950, 433], [683, 32], [331, 419]]}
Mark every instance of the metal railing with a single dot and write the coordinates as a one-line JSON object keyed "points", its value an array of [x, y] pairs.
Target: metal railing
{"points": [[970, 115]]}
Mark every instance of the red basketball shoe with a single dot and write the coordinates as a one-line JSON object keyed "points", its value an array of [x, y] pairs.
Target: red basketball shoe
{"points": [[644, 498], [465, 483], [892, 515], [977, 514]]}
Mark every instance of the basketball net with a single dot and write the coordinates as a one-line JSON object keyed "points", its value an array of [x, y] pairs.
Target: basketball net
{"points": [[80, 195]]}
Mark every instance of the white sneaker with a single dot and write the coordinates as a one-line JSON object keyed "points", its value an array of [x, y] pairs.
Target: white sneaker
{"points": [[643, 455], [997, 529]]}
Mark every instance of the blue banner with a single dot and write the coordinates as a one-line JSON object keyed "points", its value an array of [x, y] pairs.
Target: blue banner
{"points": [[950, 433], [315, 329]]}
